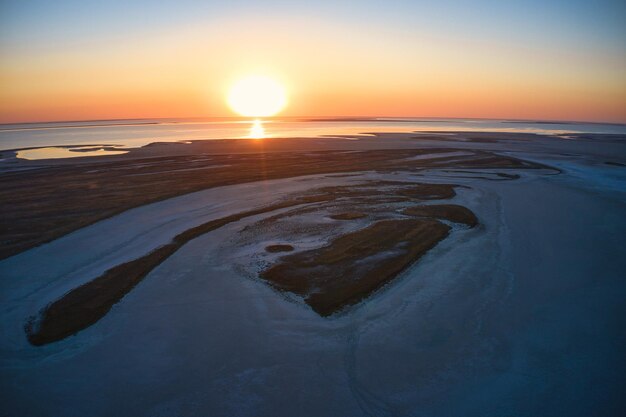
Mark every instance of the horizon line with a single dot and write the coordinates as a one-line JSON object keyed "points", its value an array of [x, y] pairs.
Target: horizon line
{"points": [[306, 118]]}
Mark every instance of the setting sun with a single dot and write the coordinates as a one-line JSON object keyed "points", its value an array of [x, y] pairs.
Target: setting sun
{"points": [[257, 96]]}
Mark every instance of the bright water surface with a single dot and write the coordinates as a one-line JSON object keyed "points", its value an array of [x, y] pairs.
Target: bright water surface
{"points": [[136, 133]]}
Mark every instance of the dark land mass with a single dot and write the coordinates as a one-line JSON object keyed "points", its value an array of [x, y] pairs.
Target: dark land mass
{"points": [[278, 248], [356, 264], [40, 205], [450, 212], [349, 215]]}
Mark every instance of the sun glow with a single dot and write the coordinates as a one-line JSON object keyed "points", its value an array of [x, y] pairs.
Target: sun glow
{"points": [[257, 96]]}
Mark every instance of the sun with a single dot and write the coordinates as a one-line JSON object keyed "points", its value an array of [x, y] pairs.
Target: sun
{"points": [[257, 96]]}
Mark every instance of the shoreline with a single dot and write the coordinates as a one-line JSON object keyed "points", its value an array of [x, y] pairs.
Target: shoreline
{"points": [[140, 121]]}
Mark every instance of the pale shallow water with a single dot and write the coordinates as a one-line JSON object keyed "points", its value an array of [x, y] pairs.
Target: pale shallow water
{"points": [[53, 152], [136, 133]]}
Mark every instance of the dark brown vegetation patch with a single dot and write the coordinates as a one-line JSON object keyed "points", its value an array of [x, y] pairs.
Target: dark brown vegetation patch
{"points": [[450, 212], [429, 191], [278, 248], [349, 215], [354, 265], [85, 305]]}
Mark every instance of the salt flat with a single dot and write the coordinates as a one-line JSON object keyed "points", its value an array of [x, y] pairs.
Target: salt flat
{"points": [[523, 312]]}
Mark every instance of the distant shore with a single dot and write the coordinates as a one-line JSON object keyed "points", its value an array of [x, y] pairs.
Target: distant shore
{"points": [[127, 134]]}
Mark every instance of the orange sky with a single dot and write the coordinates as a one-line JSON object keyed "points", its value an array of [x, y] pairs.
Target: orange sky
{"points": [[330, 68]]}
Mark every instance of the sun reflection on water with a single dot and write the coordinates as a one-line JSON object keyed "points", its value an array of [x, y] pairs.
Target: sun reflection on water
{"points": [[257, 131]]}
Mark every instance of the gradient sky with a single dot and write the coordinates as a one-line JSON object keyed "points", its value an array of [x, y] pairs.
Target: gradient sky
{"points": [[78, 60]]}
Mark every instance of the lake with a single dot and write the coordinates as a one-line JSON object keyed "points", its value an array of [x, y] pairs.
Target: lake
{"points": [[61, 139]]}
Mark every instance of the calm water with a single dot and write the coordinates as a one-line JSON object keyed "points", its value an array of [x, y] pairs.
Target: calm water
{"points": [[135, 133]]}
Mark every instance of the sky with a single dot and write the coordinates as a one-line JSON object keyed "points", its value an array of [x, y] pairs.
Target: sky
{"points": [[93, 60]]}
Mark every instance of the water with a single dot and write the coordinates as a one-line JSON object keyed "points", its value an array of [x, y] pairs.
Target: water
{"points": [[61, 139]]}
